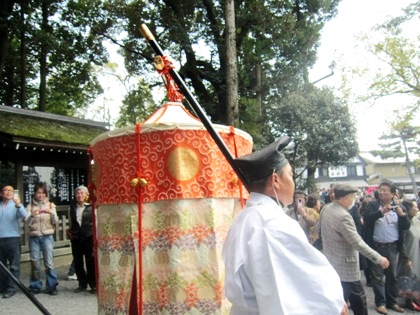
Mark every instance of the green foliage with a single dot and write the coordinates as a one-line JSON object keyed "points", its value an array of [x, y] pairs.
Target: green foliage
{"points": [[281, 37], [7, 174], [402, 140], [321, 127], [398, 50], [402, 56], [251, 118], [72, 44], [82, 86], [137, 105]]}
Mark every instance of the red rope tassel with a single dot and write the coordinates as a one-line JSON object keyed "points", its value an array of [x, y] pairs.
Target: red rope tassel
{"points": [[235, 148], [139, 266], [163, 65], [92, 190]]}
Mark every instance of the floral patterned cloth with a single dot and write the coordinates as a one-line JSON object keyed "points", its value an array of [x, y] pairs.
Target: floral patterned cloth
{"points": [[181, 248]]}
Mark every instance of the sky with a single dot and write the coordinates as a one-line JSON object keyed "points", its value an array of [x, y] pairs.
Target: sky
{"points": [[339, 43]]}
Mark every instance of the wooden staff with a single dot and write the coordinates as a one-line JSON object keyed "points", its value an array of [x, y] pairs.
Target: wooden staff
{"points": [[195, 105], [24, 289]]}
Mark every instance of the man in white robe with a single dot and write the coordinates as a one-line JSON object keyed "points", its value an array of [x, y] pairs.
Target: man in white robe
{"points": [[271, 269]]}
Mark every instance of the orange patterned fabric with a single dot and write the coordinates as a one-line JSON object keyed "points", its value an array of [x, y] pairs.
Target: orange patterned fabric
{"points": [[189, 199], [176, 164]]}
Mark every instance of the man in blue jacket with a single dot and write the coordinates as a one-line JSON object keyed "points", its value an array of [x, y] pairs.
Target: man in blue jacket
{"points": [[11, 211]]}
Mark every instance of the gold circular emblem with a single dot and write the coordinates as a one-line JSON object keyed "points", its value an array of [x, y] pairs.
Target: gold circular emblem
{"points": [[183, 163]]}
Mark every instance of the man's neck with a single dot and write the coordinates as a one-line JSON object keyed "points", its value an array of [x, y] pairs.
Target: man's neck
{"points": [[386, 202], [341, 202]]}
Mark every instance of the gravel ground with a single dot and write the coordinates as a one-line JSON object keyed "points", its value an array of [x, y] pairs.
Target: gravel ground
{"points": [[65, 303]]}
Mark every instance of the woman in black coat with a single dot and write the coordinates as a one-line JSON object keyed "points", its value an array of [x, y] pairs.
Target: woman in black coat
{"points": [[81, 236]]}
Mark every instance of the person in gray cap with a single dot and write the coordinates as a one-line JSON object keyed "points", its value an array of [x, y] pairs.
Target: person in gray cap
{"points": [[270, 266], [81, 236], [341, 244]]}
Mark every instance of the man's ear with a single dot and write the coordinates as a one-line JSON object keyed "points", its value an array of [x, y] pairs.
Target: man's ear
{"points": [[275, 178]]}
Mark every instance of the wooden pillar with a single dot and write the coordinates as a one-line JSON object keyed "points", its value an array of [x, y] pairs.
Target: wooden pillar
{"points": [[19, 177]]}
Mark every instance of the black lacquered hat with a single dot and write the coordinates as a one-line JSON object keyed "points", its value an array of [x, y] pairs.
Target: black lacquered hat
{"points": [[262, 163]]}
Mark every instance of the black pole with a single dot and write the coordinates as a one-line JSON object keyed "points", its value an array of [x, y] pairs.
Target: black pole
{"points": [[24, 289], [195, 105]]}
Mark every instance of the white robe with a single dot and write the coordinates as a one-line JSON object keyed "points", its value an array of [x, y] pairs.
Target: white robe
{"points": [[271, 269], [413, 243]]}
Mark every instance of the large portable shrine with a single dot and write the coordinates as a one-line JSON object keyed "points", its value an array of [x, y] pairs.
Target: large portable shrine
{"points": [[165, 197]]}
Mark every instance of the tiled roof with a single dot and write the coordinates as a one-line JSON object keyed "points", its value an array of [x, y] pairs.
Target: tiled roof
{"points": [[369, 157]]}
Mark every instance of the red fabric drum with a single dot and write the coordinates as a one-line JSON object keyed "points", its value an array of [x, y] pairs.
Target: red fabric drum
{"points": [[168, 259]]}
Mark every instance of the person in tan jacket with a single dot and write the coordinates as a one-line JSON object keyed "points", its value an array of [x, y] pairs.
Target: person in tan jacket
{"points": [[342, 244], [308, 217], [41, 227]]}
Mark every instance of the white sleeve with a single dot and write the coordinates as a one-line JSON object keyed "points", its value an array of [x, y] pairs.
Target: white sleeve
{"points": [[289, 275], [54, 216]]}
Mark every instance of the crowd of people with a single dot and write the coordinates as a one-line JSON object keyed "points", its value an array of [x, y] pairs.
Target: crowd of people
{"points": [[41, 219], [378, 233], [292, 253]]}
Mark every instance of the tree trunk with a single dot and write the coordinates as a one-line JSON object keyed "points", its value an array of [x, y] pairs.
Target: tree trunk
{"points": [[258, 89], [11, 81], [6, 9], [310, 181], [409, 170], [4, 47], [231, 65], [22, 58], [43, 59]]}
